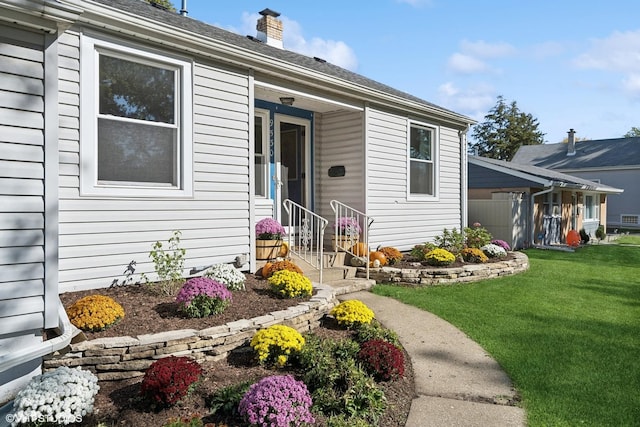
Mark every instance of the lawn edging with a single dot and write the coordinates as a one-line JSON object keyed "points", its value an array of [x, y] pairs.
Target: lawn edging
{"points": [[118, 358], [426, 276]]}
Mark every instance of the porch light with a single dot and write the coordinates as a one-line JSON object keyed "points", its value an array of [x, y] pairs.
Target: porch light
{"points": [[287, 100]]}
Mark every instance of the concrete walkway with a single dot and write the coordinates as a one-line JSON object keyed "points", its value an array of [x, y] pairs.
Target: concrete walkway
{"points": [[457, 382]]}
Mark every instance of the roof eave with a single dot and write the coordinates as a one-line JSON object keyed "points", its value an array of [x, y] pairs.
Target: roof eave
{"points": [[148, 29]]}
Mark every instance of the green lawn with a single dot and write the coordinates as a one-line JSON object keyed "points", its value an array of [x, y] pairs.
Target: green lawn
{"points": [[567, 331], [631, 239]]}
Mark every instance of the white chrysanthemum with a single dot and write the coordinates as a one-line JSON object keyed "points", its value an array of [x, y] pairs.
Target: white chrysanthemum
{"points": [[494, 251], [228, 275], [63, 395]]}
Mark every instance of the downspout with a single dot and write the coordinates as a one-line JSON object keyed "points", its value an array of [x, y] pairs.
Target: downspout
{"points": [[533, 213], [18, 357], [464, 185]]}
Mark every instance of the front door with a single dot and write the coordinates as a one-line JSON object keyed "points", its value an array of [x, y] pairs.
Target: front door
{"points": [[292, 138]]}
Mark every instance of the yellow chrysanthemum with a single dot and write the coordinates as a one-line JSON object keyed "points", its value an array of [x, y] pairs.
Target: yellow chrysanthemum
{"points": [[352, 313], [276, 343], [95, 313]]}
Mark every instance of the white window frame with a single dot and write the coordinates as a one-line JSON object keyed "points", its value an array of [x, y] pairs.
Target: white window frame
{"points": [[265, 116], [435, 162], [90, 49], [595, 205]]}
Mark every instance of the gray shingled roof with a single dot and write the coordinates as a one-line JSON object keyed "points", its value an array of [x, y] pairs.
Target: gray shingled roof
{"points": [[143, 9], [554, 177], [589, 154]]}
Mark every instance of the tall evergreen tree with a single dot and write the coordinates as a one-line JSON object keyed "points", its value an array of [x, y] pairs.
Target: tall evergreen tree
{"points": [[632, 133], [504, 130]]}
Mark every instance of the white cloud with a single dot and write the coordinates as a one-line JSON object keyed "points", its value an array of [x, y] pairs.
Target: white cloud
{"points": [[466, 64], [474, 101], [335, 52], [486, 50], [618, 52], [631, 85], [472, 55]]}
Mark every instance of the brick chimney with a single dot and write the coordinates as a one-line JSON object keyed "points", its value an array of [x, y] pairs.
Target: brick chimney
{"points": [[571, 143], [270, 28]]}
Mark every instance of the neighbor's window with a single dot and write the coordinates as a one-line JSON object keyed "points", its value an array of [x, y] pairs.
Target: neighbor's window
{"points": [[136, 137], [261, 147], [590, 207], [422, 170]]}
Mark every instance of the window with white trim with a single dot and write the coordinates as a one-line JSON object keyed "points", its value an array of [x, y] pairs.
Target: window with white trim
{"points": [[590, 207], [261, 152], [422, 163], [136, 135]]}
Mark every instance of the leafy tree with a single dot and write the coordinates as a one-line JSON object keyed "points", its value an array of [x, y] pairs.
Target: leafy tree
{"points": [[632, 133], [504, 130], [166, 4]]}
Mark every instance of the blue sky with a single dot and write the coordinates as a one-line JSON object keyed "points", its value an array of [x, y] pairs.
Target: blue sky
{"points": [[569, 64]]}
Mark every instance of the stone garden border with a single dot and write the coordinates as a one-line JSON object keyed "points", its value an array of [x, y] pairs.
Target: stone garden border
{"points": [[425, 276]]}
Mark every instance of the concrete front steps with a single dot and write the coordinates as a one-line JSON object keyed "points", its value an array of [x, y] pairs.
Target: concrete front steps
{"points": [[336, 273]]}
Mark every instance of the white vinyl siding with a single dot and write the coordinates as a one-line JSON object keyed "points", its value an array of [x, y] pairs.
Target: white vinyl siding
{"points": [[99, 237], [400, 221], [22, 175], [339, 142]]}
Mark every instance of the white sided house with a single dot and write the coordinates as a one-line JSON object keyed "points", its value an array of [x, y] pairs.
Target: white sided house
{"points": [[121, 122]]}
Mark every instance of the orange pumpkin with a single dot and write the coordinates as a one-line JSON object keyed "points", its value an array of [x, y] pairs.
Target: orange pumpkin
{"points": [[573, 238], [359, 249], [379, 256], [265, 269]]}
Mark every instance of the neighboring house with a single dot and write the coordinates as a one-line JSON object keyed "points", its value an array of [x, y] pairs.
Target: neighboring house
{"points": [[615, 162], [122, 122], [502, 194]]}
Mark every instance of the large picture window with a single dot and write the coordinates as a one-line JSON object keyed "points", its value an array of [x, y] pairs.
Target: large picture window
{"points": [[136, 129], [422, 165]]}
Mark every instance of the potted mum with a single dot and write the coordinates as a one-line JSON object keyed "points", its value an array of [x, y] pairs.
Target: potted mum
{"points": [[347, 233], [269, 233]]}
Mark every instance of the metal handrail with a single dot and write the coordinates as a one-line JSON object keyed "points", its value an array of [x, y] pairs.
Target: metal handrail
{"points": [[306, 234], [346, 243]]}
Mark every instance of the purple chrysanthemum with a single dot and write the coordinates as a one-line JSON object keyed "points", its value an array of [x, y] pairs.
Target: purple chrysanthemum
{"points": [[202, 286], [277, 401]]}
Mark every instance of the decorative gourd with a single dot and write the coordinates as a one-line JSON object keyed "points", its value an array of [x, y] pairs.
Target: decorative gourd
{"points": [[359, 249], [284, 250], [378, 256]]}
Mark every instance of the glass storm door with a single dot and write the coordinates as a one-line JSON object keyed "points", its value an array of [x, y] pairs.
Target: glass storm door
{"points": [[292, 163]]}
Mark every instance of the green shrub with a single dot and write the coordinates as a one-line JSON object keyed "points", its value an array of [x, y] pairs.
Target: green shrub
{"points": [[477, 236], [452, 241], [375, 331], [169, 265], [337, 383], [600, 232], [225, 400], [420, 251]]}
